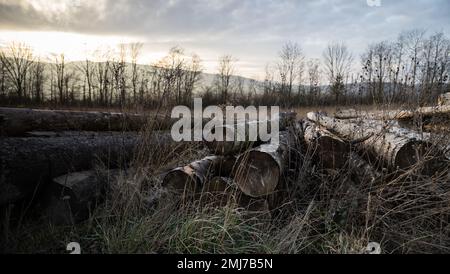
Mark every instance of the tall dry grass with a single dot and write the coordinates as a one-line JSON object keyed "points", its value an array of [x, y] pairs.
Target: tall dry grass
{"points": [[327, 211]]}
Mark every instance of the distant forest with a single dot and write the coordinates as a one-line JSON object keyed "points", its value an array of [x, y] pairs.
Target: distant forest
{"points": [[412, 69]]}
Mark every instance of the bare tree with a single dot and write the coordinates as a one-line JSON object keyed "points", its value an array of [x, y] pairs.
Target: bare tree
{"points": [[314, 80], [192, 76], [119, 76], [60, 77], [337, 61], [300, 81], [169, 76], [238, 92], [2, 80], [17, 60], [135, 50], [398, 71], [225, 71], [103, 77], [38, 69], [143, 87], [291, 58], [268, 80], [434, 55], [414, 43], [382, 64], [87, 69]]}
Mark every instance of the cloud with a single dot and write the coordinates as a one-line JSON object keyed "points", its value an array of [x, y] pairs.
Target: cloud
{"points": [[251, 30]]}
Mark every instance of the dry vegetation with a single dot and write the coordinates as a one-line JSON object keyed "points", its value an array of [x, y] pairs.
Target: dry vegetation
{"points": [[327, 211]]}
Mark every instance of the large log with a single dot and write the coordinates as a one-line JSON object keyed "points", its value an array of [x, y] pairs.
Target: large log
{"points": [[396, 149], [425, 113], [190, 179], [328, 149], [261, 169], [18, 121], [440, 142], [27, 164], [71, 198], [373, 115], [231, 143], [234, 141]]}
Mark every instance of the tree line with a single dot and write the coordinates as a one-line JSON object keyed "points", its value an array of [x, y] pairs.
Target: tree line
{"points": [[413, 68]]}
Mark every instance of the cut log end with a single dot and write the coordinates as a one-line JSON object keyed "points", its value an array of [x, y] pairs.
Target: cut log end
{"points": [[332, 152], [328, 149], [258, 174], [71, 197], [413, 153], [181, 180]]}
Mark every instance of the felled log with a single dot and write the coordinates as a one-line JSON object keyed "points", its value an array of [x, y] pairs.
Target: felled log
{"points": [[261, 169], [438, 143], [328, 149], [190, 179], [425, 113], [72, 197], [234, 141], [231, 143], [27, 164], [18, 121], [373, 115], [394, 148]]}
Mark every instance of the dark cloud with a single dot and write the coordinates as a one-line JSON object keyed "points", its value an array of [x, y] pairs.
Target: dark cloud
{"points": [[251, 29]]}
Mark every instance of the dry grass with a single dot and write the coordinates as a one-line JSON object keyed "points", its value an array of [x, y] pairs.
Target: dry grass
{"points": [[327, 212]]}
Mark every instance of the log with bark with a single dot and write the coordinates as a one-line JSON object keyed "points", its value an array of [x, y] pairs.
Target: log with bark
{"points": [[373, 115], [72, 197], [425, 114], [191, 178], [261, 169], [18, 121], [439, 143], [231, 143], [394, 148], [234, 141], [328, 150], [27, 164]]}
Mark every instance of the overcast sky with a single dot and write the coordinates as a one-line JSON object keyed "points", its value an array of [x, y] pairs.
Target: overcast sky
{"points": [[251, 30]]}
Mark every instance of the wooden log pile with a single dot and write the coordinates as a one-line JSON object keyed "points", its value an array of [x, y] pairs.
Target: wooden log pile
{"points": [[19, 122], [369, 146], [255, 176]]}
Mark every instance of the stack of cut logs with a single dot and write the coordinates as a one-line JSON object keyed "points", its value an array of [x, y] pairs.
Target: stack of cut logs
{"points": [[50, 155], [247, 173]]}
